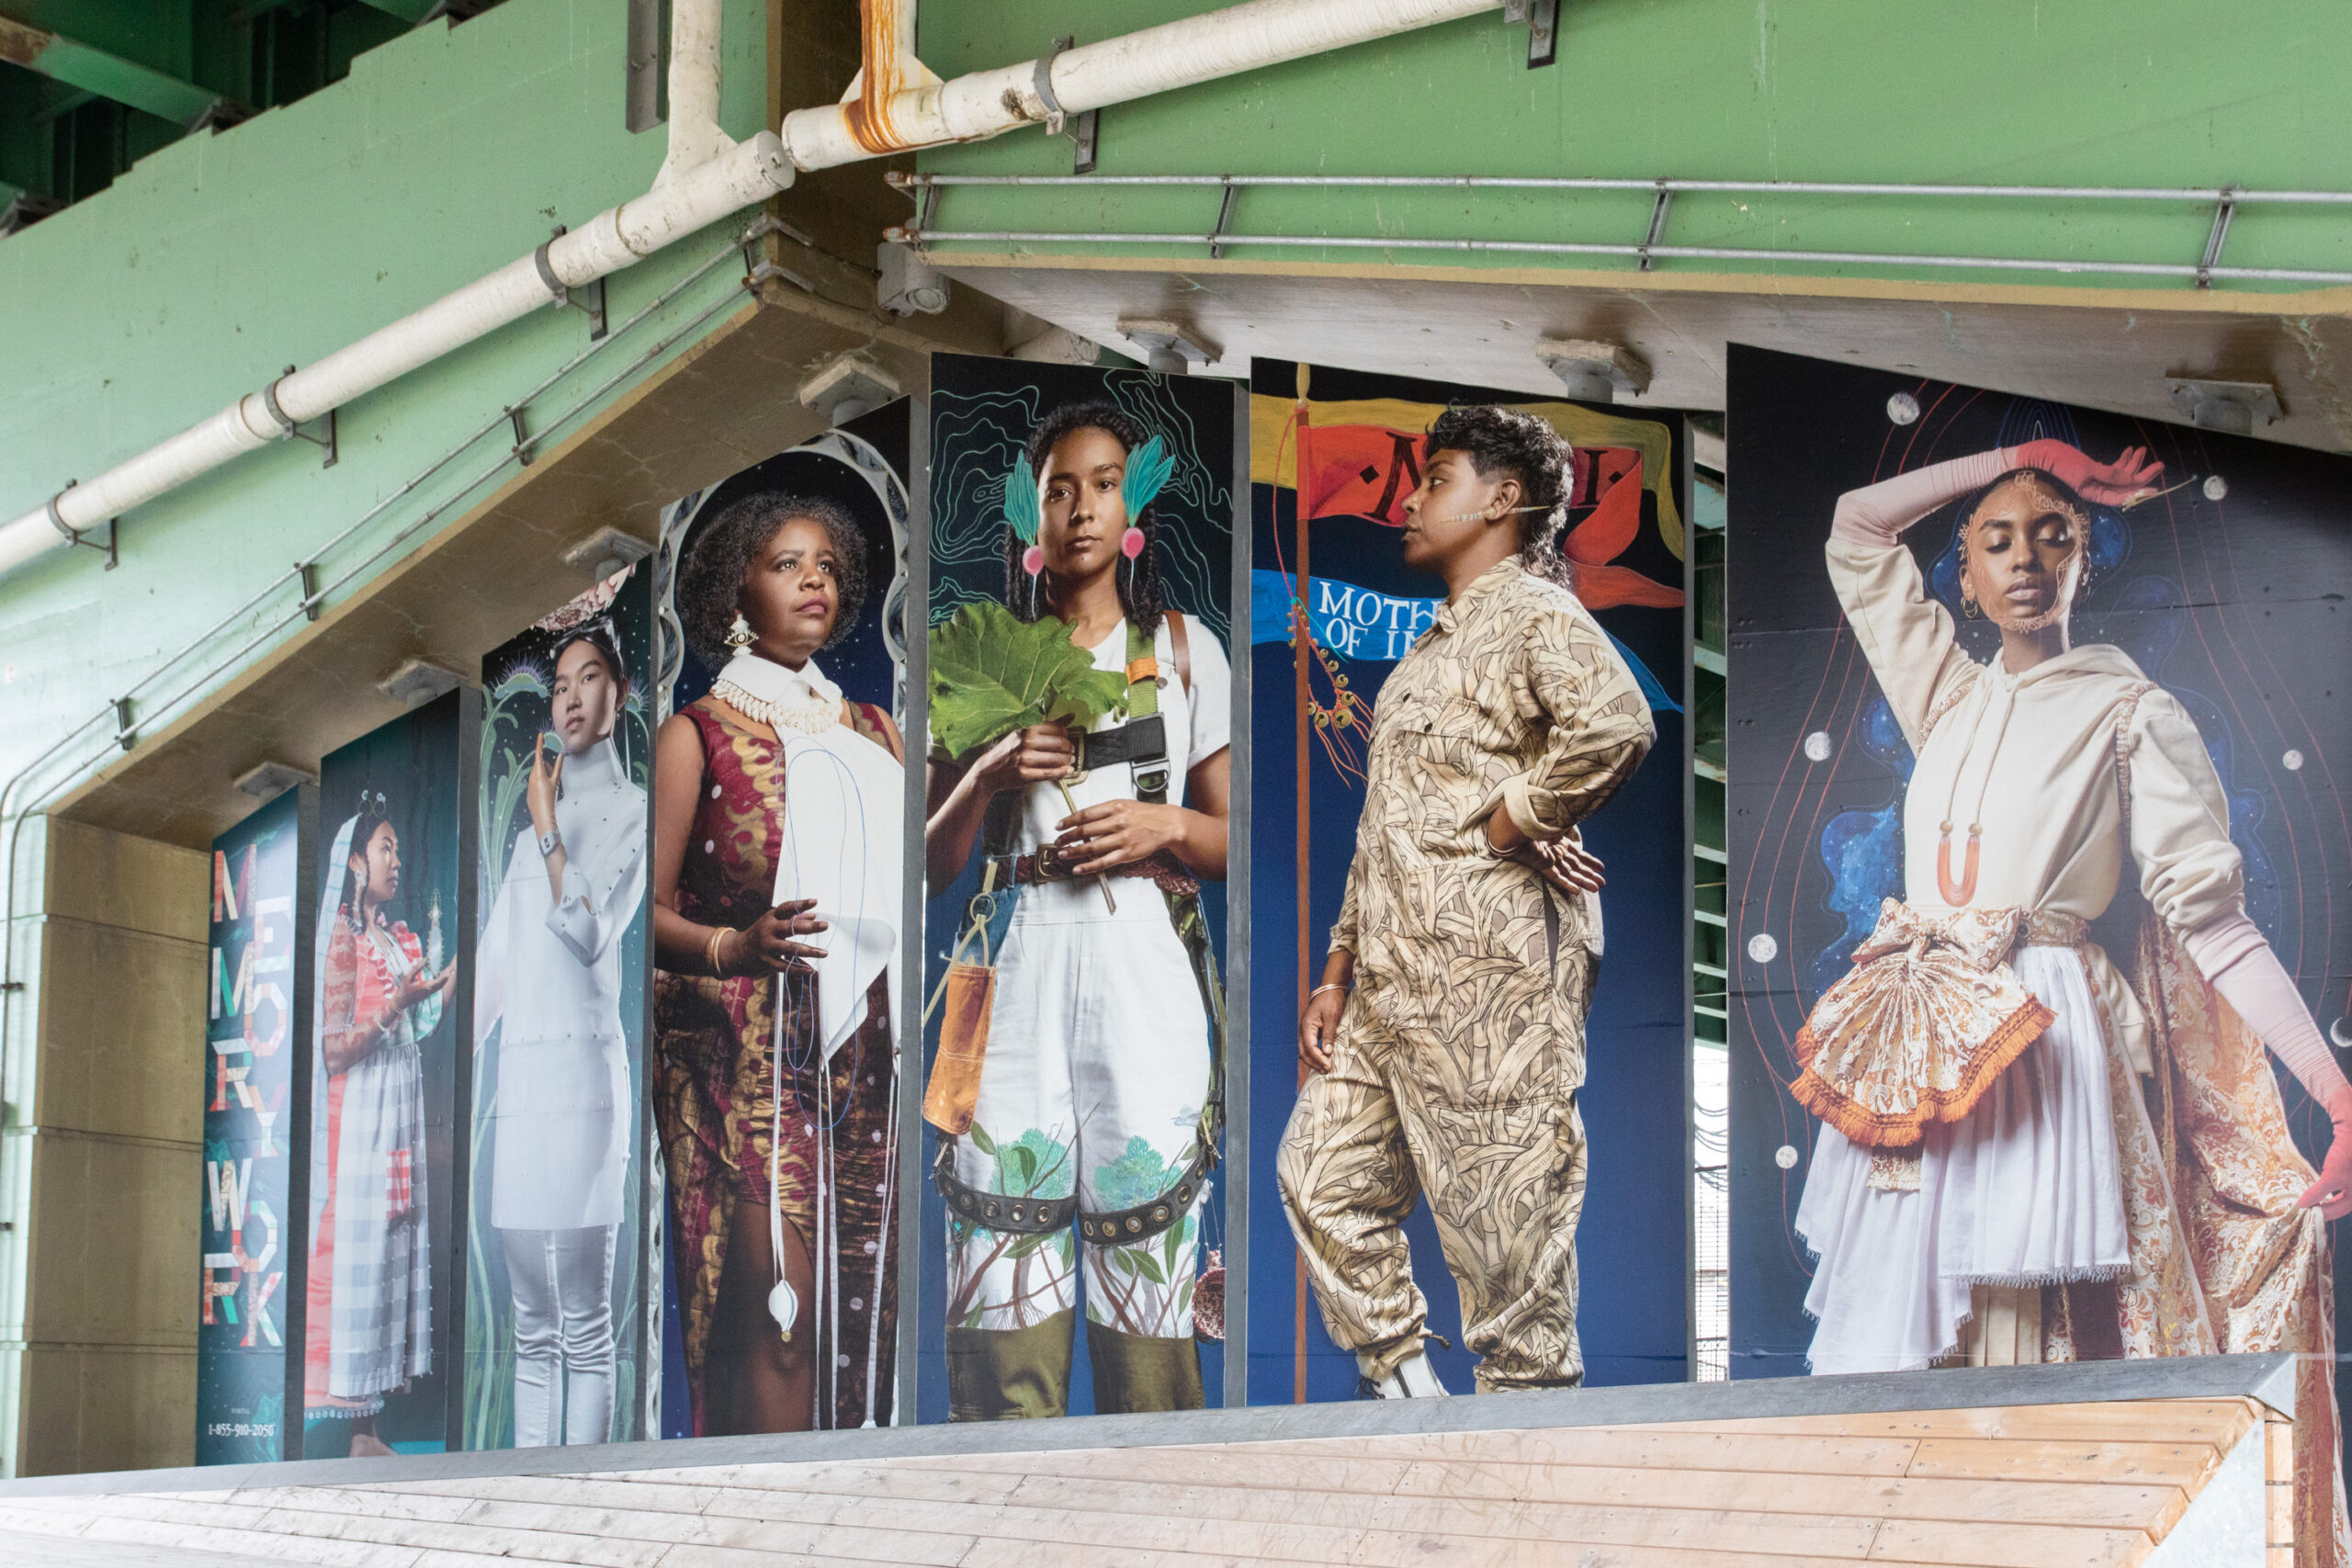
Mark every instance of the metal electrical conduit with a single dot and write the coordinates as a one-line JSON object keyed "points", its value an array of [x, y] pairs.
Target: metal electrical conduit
{"points": [[2224, 200], [306, 605]]}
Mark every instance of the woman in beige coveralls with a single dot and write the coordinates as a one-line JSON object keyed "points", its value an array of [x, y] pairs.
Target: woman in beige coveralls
{"points": [[1447, 1038]]}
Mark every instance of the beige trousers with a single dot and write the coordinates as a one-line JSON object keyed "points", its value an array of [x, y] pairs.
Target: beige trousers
{"points": [[1476, 1110]]}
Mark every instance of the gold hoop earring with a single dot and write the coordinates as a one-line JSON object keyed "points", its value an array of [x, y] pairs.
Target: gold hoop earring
{"points": [[1969, 607]]}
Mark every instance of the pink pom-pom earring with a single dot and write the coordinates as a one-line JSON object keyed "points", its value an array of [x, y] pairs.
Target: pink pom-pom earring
{"points": [[1131, 543], [1033, 561]]}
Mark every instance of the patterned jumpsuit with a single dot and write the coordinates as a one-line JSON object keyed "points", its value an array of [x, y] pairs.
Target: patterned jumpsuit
{"points": [[1460, 1051]]}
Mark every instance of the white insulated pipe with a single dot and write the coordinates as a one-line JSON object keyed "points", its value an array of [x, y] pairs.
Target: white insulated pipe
{"points": [[694, 136], [888, 118], [706, 177]]}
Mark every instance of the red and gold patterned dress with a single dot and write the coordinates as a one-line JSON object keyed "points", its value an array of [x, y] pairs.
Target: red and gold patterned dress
{"points": [[714, 1086]]}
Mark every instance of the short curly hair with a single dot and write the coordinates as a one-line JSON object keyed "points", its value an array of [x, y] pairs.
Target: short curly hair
{"points": [[1500, 441], [710, 588], [1141, 598]]}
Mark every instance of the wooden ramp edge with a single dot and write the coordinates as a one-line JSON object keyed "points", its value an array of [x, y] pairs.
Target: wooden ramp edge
{"points": [[2156, 1463]]}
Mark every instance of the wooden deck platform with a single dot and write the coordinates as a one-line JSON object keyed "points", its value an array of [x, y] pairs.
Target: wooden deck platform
{"points": [[2167, 1464]]}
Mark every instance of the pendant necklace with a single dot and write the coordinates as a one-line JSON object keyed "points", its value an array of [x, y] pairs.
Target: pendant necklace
{"points": [[1957, 893]]}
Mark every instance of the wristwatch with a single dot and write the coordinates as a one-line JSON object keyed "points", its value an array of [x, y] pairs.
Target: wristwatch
{"points": [[549, 841]]}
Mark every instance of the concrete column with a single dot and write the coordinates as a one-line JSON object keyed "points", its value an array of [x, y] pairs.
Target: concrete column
{"points": [[100, 1156]]}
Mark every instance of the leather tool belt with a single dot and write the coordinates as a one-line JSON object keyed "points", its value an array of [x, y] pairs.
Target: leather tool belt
{"points": [[1050, 864]]}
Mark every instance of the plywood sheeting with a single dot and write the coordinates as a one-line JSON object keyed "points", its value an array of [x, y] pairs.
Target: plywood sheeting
{"points": [[2083, 1486]]}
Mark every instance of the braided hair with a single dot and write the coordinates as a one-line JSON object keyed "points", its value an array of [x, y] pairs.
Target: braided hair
{"points": [[1502, 440], [1140, 593]]}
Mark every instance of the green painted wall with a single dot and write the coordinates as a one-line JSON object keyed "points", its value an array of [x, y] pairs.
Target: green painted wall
{"points": [[2075, 92], [198, 276], [214, 264]]}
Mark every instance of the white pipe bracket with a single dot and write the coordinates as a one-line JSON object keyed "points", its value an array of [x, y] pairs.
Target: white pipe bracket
{"points": [[592, 307], [73, 536], [1044, 83], [290, 429]]}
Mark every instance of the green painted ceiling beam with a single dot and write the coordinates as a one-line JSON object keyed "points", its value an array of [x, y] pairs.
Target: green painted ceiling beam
{"points": [[409, 11], [109, 75]]}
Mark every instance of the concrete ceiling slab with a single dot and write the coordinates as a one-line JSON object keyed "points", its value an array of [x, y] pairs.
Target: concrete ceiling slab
{"points": [[2099, 348]]}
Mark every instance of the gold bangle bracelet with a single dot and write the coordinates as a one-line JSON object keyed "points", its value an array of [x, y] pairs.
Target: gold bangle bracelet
{"points": [[711, 951], [1329, 986]]}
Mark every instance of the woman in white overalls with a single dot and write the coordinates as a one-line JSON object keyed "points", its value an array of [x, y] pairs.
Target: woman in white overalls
{"points": [[1096, 1100], [551, 966]]}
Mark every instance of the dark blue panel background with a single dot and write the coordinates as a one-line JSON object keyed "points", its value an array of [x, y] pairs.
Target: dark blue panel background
{"points": [[1633, 1309], [2237, 606]]}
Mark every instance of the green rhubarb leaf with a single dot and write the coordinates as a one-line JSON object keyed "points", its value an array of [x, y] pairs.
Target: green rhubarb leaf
{"points": [[993, 674]]}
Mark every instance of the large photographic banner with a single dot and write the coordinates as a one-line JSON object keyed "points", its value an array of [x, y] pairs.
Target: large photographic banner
{"points": [[558, 1320], [1470, 1162], [2037, 865], [777, 898], [254, 1039], [385, 1032], [1078, 787]]}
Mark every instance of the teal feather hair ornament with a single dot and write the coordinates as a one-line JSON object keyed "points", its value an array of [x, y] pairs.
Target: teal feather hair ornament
{"points": [[1147, 470], [1025, 514]]}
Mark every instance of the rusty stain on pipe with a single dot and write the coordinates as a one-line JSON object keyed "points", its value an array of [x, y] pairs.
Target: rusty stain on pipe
{"points": [[882, 25]]}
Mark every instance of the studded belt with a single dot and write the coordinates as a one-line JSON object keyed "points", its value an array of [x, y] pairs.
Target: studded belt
{"points": [[1031, 1217]]}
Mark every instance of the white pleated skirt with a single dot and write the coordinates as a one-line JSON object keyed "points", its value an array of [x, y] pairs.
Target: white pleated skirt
{"points": [[2025, 1191]]}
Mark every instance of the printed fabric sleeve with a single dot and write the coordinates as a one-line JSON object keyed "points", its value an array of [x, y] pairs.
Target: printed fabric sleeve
{"points": [[2190, 871], [1573, 681], [1343, 934], [601, 897], [339, 990], [1907, 636]]}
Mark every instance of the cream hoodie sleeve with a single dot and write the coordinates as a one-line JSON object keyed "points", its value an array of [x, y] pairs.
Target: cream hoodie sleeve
{"points": [[1908, 638]]}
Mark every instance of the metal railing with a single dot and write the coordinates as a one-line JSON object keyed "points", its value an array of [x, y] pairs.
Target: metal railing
{"points": [[2224, 202]]}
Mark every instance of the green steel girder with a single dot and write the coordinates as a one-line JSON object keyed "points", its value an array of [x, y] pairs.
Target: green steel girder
{"points": [[109, 75], [409, 11]]}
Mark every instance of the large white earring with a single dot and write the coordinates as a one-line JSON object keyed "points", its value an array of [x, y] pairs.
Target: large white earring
{"points": [[739, 635]]}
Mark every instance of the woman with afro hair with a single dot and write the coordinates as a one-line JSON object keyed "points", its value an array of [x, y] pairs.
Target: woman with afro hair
{"points": [[1096, 1102], [777, 863]]}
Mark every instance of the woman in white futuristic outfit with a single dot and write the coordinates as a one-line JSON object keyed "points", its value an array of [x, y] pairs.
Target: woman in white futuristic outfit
{"points": [[549, 967], [1096, 1102]]}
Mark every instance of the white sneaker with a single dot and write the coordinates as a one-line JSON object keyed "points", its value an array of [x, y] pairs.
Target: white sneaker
{"points": [[1413, 1379]]}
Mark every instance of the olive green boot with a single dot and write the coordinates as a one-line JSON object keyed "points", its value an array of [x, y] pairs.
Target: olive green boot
{"points": [[1134, 1372], [1012, 1374]]}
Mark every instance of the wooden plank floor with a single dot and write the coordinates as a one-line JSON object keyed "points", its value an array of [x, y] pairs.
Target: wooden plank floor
{"points": [[2080, 1485]]}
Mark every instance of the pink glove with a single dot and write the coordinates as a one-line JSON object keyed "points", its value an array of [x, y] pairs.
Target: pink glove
{"points": [[2131, 478]]}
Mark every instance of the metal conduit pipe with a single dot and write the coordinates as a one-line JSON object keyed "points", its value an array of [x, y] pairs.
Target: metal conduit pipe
{"points": [[1231, 240], [899, 105], [896, 105]]}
